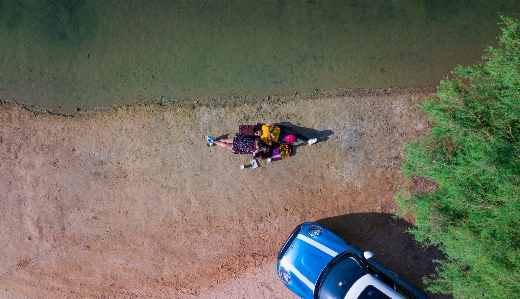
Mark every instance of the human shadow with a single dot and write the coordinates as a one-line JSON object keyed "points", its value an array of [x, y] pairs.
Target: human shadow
{"points": [[223, 136], [390, 242], [322, 135], [309, 133]]}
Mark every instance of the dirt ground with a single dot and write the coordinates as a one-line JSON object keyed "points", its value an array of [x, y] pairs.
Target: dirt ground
{"points": [[131, 203]]}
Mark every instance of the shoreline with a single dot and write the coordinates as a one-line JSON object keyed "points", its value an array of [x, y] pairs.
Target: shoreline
{"points": [[232, 100]]}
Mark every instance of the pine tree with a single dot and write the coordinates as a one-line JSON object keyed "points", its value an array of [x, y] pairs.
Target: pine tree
{"points": [[473, 156]]}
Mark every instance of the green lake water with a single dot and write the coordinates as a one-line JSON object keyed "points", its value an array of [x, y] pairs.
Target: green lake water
{"points": [[68, 55]]}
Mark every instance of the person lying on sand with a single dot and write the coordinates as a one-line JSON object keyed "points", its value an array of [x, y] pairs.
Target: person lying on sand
{"points": [[270, 133], [241, 144]]}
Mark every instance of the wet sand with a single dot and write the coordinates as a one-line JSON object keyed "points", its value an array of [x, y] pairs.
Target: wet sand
{"points": [[130, 202]]}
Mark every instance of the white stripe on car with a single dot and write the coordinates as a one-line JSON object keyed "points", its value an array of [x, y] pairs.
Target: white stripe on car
{"points": [[320, 246], [286, 264]]}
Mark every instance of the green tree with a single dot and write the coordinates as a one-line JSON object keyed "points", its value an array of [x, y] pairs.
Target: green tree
{"points": [[473, 156]]}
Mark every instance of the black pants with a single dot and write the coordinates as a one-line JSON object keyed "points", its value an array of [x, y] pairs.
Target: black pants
{"points": [[284, 131]]}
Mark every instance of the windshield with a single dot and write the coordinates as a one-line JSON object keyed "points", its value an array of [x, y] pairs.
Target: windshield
{"points": [[338, 279]]}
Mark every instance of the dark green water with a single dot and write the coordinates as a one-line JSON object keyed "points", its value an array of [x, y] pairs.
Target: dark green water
{"points": [[68, 54]]}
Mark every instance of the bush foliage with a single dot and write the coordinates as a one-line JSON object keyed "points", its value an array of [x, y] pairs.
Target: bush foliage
{"points": [[473, 154]]}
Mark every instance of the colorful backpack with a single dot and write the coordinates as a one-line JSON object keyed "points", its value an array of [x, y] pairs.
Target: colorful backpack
{"points": [[284, 150]]}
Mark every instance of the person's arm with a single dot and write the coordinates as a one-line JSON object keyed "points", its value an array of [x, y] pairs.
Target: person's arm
{"points": [[257, 149], [270, 139], [270, 136]]}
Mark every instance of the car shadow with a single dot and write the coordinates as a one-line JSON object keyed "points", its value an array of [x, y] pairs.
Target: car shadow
{"points": [[390, 242]]}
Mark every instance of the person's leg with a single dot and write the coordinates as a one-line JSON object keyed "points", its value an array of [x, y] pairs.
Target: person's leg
{"points": [[299, 137], [223, 144], [226, 140]]}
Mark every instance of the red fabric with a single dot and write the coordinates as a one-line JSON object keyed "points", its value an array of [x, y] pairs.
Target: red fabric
{"points": [[246, 130]]}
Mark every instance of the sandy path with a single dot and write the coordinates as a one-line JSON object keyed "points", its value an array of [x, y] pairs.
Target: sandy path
{"points": [[131, 203]]}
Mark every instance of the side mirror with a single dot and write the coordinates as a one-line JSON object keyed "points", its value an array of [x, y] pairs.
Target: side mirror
{"points": [[368, 254]]}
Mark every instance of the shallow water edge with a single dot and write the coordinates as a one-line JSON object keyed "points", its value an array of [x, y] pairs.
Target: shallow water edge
{"points": [[234, 101]]}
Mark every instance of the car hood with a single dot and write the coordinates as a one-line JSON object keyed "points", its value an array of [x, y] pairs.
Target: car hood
{"points": [[305, 259]]}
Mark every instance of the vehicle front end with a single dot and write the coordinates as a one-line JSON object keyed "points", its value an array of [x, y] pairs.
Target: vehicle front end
{"points": [[307, 251], [316, 263]]}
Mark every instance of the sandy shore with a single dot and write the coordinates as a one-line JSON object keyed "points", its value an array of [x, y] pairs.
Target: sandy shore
{"points": [[131, 203]]}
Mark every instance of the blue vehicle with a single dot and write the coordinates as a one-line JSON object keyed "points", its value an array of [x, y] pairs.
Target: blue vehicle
{"points": [[316, 263]]}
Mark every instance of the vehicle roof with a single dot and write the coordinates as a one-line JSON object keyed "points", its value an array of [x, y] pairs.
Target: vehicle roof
{"points": [[369, 280]]}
